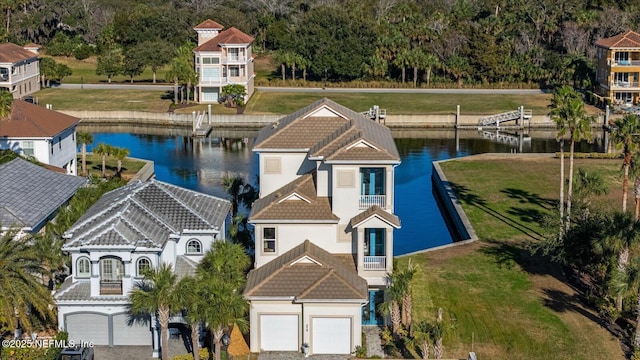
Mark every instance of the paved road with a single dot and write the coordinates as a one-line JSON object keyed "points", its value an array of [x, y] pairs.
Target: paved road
{"points": [[121, 86]]}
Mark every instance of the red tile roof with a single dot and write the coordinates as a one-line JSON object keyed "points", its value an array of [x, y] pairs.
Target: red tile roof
{"points": [[11, 53], [629, 39], [208, 24], [29, 120], [228, 36]]}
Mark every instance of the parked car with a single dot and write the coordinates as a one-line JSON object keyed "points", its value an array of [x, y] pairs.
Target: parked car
{"points": [[77, 353]]}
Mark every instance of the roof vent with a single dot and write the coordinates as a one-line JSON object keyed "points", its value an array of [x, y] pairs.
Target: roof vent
{"points": [[275, 124]]}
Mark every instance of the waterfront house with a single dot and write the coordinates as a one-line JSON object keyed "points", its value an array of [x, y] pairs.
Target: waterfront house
{"points": [[31, 195], [618, 68], [19, 69], [128, 230], [222, 57], [49, 136], [324, 227]]}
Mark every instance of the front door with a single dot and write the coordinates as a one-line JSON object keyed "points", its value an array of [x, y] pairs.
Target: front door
{"points": [[370, 314]]}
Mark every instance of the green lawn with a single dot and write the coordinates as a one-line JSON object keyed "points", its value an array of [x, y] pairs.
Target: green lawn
{"points": [[501, 300], [84, 71], [130, 167]]}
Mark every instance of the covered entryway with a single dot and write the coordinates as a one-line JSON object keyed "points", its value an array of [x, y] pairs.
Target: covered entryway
{"points": [[134, 334], [331, 336], [279, 333], [88, 327]]}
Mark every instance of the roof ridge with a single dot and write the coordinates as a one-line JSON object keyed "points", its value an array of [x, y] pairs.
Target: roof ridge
{"points": [[93, 229], [185, 206], [330, 272], [333, 137], [115, 228]]}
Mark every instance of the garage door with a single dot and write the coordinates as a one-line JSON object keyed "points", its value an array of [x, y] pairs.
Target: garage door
{"points": [[88, 327], [279, 333], [210, 94], [136, 334], [331, 336]]}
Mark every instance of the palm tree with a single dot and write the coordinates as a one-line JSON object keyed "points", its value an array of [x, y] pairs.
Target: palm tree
{"points": [[438, 333], [190, 300], [623, 135], [6, 100], [157, 294], [226, 261], [422, 337], [630, 283], [407, 276], [622, 234], [240, 192], [84, 139], [22, 296], [396, 290], [103, 150], [120, 154]]}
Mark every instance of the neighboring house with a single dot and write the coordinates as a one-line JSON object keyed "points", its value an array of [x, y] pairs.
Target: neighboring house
{"points": [[31, 195], [47, 135], [618, 68], [222, 57], [138, 226], [19, 69], [323, 228]]}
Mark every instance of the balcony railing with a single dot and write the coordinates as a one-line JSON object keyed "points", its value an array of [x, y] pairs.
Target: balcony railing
{"points": [[366, 201], [626, 63], [625, 84], [234, 59], [375, 263], [111, 287], [214, 80]]}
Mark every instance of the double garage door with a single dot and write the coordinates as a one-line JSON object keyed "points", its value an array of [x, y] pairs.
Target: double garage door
{"points": [[107, 329], [328, 335]]}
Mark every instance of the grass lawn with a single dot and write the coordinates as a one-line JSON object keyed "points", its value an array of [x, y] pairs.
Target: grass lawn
{"points": [[513, 305], [130, 167], [84, 71]]}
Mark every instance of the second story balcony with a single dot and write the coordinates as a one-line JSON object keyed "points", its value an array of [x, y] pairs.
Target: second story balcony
{"points": [[366, 201], [624, 84], [110, 287]]}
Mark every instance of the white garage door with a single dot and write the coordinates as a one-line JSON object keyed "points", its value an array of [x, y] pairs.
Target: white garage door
{"points": [[136, 334], [210, 94], [279, 333], [88, 327], [331, 336]]}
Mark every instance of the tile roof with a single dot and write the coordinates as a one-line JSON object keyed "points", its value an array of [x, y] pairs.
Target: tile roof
{"points": [[185, 266], [208, 24], [145, 214], [376, 211], [12, 53], [226, 37], [81, 291], [29, 120], [629, 39], [347, 136], [293, 202], [306, 273], [31, 193]]}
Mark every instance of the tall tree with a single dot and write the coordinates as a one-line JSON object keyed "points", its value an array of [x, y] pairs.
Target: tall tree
{"points": [[103, 150], [156, 295], [622, 235], [47, 70], [120, 154], [84, 139], [109, 63], [625, 135]]}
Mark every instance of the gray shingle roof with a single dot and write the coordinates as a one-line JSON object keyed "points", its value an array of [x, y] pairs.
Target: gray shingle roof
{"points": [[145, 215], [306, 272], [31, 193]]}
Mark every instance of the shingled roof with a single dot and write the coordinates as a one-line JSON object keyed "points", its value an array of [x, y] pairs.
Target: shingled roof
{"points": [[375, 211], [629, 39], [29, 120], [12, 53], [306, 273], [294, 202], [145, 214], [209, 24], [31, 193], [330, 131], [226, 37]]}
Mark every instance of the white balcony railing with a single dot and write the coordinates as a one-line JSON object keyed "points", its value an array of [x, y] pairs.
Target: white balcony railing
{"points": [[234, 59], [214, 80], [366, 201], [625, 84], [626, 63], [375, 263]]}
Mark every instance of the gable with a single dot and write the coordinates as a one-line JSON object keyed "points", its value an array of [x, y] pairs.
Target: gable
{"points": [[325, 111]]}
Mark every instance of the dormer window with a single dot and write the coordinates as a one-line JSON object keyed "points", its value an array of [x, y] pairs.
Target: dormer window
{"points": [[194, 247], [83, 267], [143, 265]]}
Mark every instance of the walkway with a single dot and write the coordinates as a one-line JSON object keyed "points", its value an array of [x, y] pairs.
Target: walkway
{"points": [[277, 355]]}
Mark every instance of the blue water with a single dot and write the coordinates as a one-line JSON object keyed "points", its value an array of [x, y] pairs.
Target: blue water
{"points": [[200, 165]]}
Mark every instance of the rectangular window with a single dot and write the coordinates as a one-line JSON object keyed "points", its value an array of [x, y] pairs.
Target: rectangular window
{"points": [[60, 142], [197, 60], [215, 60], [346, 178], [272, 165], [269, 239], [372, 181], [622, 58], [374, 240], [27, 148], [234, 71], [206, 60], [51, 145]]}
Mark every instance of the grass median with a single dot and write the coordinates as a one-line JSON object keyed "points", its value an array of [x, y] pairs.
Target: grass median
{"points": [[502, 301]]}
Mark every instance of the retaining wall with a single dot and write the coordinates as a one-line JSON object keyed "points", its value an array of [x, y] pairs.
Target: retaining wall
{"points": [[146, 172]]}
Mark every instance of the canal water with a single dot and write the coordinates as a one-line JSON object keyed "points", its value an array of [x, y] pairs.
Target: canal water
{"points": [[200, 164]]}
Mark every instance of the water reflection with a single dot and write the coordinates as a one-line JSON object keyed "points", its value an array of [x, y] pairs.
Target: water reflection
{"points": [[200, 164]]}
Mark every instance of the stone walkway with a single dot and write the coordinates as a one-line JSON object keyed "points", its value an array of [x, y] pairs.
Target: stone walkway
{"points": [[373, 343]]}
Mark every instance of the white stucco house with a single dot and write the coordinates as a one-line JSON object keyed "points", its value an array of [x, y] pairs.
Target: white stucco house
{"points": [[49, 136], [19, 69], [138, 226], [222, 57], [324, 228]]}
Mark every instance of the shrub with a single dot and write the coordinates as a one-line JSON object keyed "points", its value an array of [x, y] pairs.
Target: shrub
{"points": [[82, 51], [204, 354]]}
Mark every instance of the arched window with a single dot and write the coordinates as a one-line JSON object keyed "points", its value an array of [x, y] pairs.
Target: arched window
{"points": [[194, 247], [83, 267], [143, 264]]}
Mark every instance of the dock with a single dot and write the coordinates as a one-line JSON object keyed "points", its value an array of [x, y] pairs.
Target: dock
{"points": [[200, 128]]}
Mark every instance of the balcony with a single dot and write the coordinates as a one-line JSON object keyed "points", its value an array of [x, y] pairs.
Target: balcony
{"points": [[626, 63], [374, 263], [366, 201], [625, 84], [234, 60], [214, 81], [111, 287]]}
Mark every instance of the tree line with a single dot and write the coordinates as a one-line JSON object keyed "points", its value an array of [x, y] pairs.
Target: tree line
{"points": [[407, 41]]}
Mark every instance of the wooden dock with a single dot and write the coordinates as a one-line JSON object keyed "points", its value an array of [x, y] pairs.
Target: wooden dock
{"points": [[200, 128]]}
